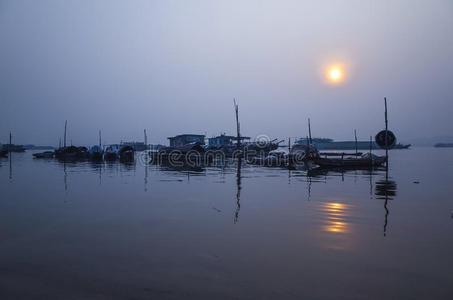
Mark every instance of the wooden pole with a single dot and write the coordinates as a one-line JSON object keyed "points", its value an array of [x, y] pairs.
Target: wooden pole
{"points": [[238, 127], [356, 148], [10, 144], [65, 127], [386, 137]]}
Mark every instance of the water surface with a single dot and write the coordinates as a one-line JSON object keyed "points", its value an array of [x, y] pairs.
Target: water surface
{"points": [[116, 231]]}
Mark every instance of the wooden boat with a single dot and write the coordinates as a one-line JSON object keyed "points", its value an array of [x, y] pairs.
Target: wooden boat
{"points": [[111, 153], [126, 153], [96, 153], [13, 148], [300, 154], [45, 154], [273, 159], [365, 161], [190, 154], [71, 153], [444, 145], [122, 152]]}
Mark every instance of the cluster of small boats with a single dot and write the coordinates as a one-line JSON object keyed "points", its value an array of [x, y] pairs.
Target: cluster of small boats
{"points": [[8, 148], [269, 154], [95, 153], [308, 154]]}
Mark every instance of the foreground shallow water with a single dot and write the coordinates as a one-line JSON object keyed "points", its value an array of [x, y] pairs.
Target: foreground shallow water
{"points": [[115, 231]]}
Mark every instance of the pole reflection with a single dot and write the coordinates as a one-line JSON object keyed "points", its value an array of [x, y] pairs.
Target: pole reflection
{"points": [[10, 166], [238, 191], [385, 190]]}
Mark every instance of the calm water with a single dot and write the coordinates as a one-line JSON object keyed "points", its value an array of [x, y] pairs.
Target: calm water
{"points": [[115, 231]]}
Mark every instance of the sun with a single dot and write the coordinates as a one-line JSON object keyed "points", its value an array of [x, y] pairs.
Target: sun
{"points": [[335, 74]]}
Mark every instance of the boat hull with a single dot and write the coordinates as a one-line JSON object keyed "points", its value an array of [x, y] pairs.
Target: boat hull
{"points": [[47, 154], [349, 162]]}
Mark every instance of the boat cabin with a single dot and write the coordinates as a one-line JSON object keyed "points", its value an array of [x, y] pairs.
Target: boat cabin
{"points": [[224, 140], [184, 139]]}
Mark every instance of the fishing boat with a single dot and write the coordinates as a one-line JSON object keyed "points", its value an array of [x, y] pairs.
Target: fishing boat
{"points": [[330, 144], [96, 153], [272, 159], [3, 153], [301, 153], [111, 152], [71, 153], [191, 154], [444, 145], [366, 160], [45, 154], [126, 153], [13, 148]]}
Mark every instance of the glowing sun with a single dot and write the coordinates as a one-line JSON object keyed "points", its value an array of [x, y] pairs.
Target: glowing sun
{"points": [[335, 74]]}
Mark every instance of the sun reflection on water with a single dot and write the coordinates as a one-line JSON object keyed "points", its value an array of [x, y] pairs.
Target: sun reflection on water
{"points": [[336, 215]]}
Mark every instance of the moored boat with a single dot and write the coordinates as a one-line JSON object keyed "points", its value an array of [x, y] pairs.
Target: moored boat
{"points": [[96, 153], [45, 154], [126, 153], [190, 154], [366, 160], [111, 152], [273, 159], [13, 148], [71, 153]]}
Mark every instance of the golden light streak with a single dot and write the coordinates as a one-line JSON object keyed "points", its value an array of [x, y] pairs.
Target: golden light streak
{"points": [[336, 213]]}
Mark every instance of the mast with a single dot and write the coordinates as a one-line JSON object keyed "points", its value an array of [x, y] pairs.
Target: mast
{"points": [[386, 138], [238, 126], [100, 139], [146, 139], [65, 127], [355, 136], [309, 131]]}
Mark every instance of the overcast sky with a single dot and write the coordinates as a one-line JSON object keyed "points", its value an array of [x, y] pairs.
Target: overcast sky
{"points": [[175, 66]]}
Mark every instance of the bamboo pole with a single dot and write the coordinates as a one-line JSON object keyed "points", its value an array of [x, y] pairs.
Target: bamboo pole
{"points": [[65, 128], [146, 139], [386, 138], [238, 126]]}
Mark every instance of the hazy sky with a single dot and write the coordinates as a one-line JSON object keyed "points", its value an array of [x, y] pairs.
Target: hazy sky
{"points": [[175, 66]]}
